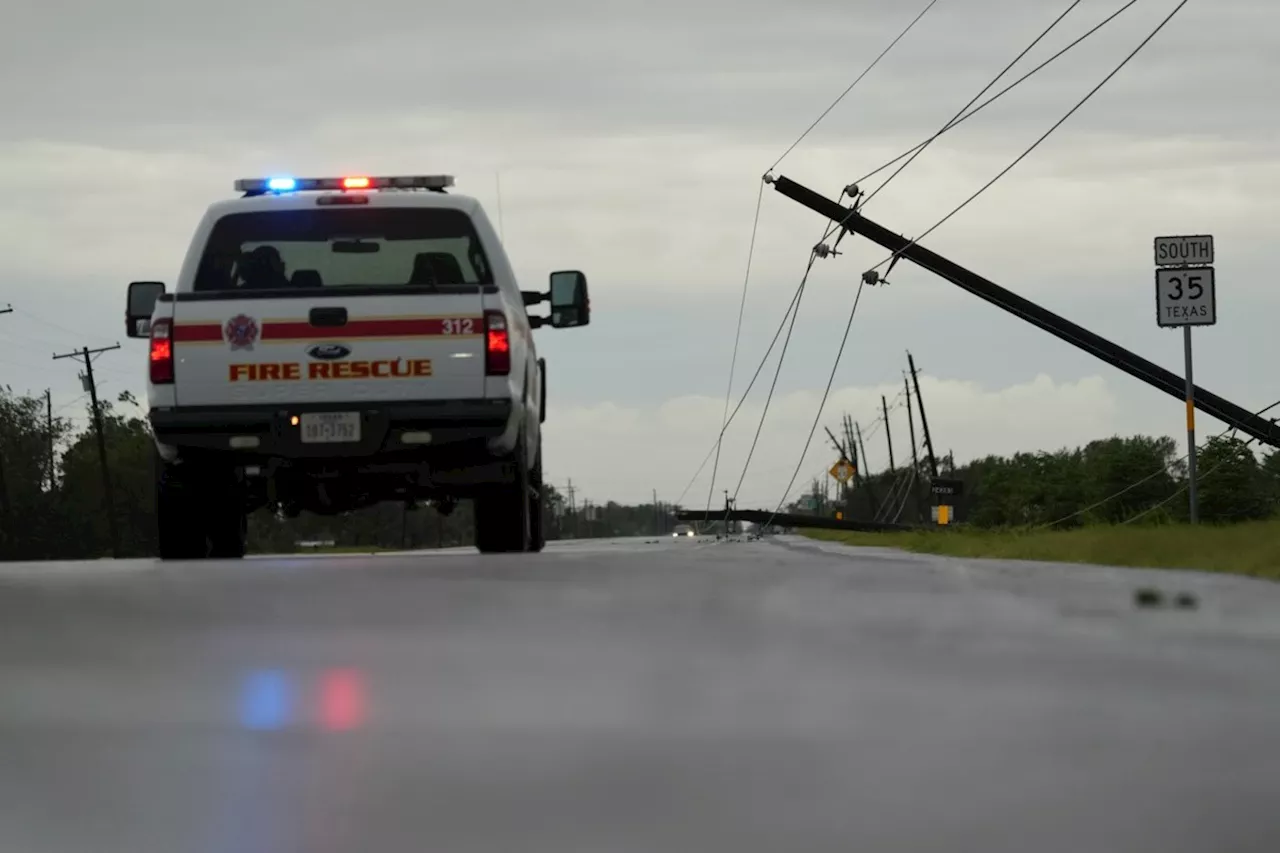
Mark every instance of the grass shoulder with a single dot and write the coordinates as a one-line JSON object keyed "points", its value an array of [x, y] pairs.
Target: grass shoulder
{"points": [[1251, 549]]}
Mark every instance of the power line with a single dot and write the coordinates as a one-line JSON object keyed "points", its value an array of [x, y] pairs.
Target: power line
{"points": [[973, 100], [856, 81], [778, 333], [737, 337], [827, 391], [782, 355], [989, 101], [1038, 142]]}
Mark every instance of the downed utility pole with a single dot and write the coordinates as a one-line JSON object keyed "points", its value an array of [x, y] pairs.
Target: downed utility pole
{"points": [[924, 421], [87, 355], [1135, 365]]}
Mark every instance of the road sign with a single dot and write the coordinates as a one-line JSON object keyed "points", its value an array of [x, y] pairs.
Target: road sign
{"points": [[843, 471], [1186, 296], [1181, 251], [945, 488]]}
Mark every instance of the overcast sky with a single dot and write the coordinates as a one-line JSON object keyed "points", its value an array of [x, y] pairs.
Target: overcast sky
{"points": [[630, 139]]}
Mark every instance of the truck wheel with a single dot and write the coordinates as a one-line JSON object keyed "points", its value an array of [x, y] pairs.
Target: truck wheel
{"points": [[537, 533], [502, 512], [179, 524]]}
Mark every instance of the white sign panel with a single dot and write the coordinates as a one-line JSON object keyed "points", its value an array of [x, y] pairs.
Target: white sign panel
{"points": [[1185, 296], [1181, 251]]}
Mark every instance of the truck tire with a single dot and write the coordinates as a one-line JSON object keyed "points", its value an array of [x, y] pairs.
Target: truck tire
{"points": [[537, 533], [199, 513], [179, 526], [502, 512]]}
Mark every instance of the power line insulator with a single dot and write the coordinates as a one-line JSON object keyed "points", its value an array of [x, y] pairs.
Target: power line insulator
{"points": [[872, 277], [822, 250], [852, 191]]}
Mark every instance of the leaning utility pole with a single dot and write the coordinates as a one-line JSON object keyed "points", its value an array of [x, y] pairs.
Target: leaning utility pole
{"points": [[924, 421], [850, 220], [915, 459], [871, 492], [86, 355], [888, 436]]}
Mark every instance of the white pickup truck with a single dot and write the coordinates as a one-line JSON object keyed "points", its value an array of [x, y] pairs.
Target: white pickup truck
{"points": [[332, 343]]}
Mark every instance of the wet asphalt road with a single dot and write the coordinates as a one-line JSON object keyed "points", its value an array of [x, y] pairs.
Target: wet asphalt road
{"points": [[634, 696]]}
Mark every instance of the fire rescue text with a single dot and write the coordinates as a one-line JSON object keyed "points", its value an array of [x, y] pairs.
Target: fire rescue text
{"points": [[293, 371]]}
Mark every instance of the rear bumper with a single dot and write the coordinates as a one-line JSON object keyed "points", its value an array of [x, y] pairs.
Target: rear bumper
{"points": [[458, 428]]}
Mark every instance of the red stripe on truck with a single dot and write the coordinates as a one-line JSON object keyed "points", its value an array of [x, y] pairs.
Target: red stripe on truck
{"points": [[411, 327], [301, 330]]}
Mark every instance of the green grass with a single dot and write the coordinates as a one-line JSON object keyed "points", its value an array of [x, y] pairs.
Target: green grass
{"points": [[1247, 549]]}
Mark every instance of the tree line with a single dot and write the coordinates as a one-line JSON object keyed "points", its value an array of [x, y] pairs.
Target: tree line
{"points": [[1135, 479], [53, 498]]}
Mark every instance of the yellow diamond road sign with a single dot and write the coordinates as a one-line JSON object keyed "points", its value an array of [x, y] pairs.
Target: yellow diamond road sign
{"points": [[842, 470]]}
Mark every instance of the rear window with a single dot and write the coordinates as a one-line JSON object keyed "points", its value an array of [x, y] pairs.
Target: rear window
{"points": [[367, 247]]}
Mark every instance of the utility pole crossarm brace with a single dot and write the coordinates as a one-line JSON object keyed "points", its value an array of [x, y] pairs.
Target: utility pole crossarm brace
{"points": [[1117, 356]]}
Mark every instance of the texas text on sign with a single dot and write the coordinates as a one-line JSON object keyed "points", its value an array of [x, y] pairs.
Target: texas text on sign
{"points": [[1186, 296]]}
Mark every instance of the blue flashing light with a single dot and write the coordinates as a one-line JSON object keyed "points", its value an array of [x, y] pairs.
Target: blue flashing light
{"points": [[266, 698], [282, 185]]}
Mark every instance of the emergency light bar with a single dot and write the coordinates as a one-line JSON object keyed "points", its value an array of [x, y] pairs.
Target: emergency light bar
{"points": [[283, 184]]}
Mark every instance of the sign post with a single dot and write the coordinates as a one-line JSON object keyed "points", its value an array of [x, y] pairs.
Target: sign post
{"points": [[1186, 296]]}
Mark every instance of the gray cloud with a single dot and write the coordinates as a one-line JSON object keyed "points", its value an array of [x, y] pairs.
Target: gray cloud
{"points": [[246, 72]]}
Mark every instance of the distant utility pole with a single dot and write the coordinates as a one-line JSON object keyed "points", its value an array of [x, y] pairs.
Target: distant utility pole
{"points": [[4, 489], [924, 421], [85, 356], [573, 509], [884, 407], [48, 407]]}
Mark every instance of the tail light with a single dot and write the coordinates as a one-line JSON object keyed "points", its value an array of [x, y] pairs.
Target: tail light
{"points": [[162, 352], [497, 344]]}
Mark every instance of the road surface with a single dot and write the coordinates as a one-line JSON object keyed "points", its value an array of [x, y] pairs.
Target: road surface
{"points": [[638, 695]]}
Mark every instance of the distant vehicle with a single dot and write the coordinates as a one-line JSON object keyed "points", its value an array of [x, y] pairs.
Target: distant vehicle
{"points": [[682, 530], [332, 343]]}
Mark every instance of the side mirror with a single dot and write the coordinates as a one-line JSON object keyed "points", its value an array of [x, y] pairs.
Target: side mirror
{"points": [[140, 305], [570, 304]]}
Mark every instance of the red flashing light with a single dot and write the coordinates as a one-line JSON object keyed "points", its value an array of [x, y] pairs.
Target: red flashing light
{"points": [[360, 183], [162, 352], [342, 700], [497, 340]]}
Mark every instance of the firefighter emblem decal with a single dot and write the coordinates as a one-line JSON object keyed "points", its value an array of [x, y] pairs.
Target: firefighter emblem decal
{"points": [[241, 331]]}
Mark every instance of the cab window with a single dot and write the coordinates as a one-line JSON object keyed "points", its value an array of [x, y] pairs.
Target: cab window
{"points": [[338, 248]]}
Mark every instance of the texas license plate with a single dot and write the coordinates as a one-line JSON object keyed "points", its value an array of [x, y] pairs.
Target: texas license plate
{"points": [[330, 427]]}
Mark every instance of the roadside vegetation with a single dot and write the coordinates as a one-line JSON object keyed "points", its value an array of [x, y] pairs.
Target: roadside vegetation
{"points": [[1251, 548], [1118, 501]]}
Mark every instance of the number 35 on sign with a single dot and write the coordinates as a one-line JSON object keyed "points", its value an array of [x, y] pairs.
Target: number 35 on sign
{"points": [[1185, 296]]}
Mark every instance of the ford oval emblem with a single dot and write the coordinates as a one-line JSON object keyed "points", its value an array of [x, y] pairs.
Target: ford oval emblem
{"points": [[329, 352]]}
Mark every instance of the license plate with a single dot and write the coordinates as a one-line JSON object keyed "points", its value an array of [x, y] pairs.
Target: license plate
{"points": [[330, 427]]}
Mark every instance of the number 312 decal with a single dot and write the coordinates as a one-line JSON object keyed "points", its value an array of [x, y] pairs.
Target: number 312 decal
{"points": [[459, 326]]}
